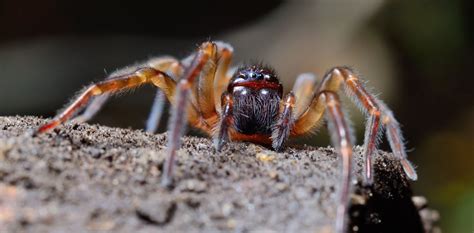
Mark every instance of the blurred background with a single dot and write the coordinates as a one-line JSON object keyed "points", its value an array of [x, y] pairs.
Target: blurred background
{"points": [[417, 55]]}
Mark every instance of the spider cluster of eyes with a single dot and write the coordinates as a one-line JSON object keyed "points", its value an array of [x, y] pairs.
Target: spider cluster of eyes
{"points": [[259, 74]]}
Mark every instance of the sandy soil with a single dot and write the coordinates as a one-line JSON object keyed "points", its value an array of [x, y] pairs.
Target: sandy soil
{"points": [[89, 178]]}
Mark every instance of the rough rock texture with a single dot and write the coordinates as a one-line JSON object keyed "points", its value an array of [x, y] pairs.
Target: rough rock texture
{"points": [[83, 177]]}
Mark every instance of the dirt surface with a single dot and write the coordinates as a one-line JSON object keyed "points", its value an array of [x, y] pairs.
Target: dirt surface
{"points": [[89, 178]]}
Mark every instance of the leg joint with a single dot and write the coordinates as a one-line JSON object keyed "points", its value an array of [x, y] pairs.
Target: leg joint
{"points": [[347, 73], [146, 73]]}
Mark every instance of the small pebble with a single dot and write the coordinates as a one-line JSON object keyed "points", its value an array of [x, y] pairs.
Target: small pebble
{"points": [[265, 157]]}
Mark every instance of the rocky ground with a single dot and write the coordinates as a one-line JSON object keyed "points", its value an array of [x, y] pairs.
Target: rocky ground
{"points": [[89, 178]]}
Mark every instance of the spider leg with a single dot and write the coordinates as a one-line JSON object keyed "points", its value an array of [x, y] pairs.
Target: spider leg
{"points": [[180, 109], [281, 130], [376, 111], [215, 71], [210, 85], [137, 78], [222, 131], [97, 102], [310, 116], [326, 98], [223, 101], [311, 113], [167, 64], [92, 108], [304, 91], [205, 87], [341, 139], [291, 108], [395, 138], [222, 77], [175, 69], [154, 117]]}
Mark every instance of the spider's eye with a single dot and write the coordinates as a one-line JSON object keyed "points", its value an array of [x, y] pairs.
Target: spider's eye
{"points": [[252, 75]]}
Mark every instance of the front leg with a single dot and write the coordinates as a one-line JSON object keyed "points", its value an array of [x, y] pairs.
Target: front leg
{"points": [[183, 110], [282, 128], [294, 105], [221, 134]]}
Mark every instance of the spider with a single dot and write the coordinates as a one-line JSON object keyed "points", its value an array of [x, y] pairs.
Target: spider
{"points": [[247, 104]]}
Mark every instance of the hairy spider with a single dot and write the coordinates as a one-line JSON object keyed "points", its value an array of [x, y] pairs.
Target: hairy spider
{"points": [[247, 104]]}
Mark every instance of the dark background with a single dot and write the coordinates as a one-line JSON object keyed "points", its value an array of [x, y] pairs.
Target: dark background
{"points": [[417, 54]]}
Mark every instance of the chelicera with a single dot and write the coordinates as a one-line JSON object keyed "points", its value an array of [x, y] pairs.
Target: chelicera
{"points": [[247, 104]]}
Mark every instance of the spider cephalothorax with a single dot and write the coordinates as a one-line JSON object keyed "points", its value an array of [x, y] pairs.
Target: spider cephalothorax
{"points": [[256, 77], [256, 92], [248, 105]]}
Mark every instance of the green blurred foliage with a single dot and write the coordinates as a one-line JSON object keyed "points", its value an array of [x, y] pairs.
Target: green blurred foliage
{"points": [[431, 30], [432, 45], [460, 218]]}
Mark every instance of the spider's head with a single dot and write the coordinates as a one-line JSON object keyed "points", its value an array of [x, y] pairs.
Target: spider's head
{"points": [[256, 94], [256, 77]]}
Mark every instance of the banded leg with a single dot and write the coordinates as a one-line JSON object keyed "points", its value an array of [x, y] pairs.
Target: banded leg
{"points": [[295, 104], [175, 69], [281, 130], [372, 107], [223, 101], [205, 90], [310, 118], [154, 117], [222, 77], [92, 108], [97, 102], [328, 101], [222, 131], [167, 64], [341, 139], [395, 138], [214, 71], [211, 83], [304, 89], [180, 110], [139, 77]]}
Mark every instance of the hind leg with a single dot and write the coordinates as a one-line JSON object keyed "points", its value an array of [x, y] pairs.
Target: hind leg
{"points": [[124, 82], [167, 64]]}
